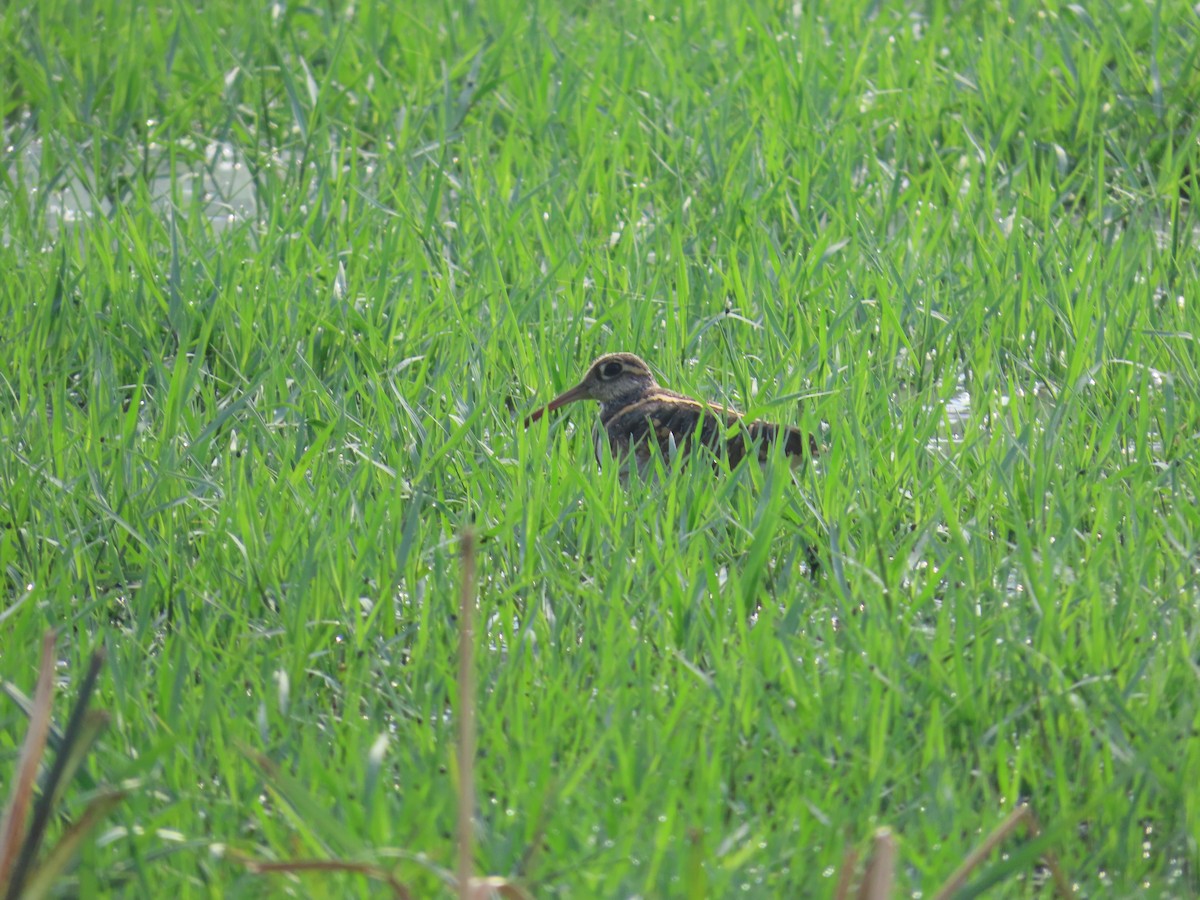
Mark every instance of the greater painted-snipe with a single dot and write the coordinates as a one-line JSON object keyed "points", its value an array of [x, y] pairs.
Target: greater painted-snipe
{"points": [[641, 418]]}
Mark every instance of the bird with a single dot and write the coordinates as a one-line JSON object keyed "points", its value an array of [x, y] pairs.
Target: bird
{"points": [[640, 418]]}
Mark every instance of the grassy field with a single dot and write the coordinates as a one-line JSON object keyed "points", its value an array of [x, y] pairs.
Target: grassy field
{"points": [[281, 281]]}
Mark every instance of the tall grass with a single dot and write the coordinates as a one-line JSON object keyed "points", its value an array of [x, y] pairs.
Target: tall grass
{"points": [[239, 434]]}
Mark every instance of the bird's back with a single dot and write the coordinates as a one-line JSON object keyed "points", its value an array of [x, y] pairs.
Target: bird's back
{"points": [[669, 421]]}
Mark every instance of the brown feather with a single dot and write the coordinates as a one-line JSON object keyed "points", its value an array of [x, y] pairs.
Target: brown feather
{"points": [[636, 414]]}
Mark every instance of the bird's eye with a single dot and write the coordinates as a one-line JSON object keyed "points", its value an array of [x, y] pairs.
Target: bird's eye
{"points": [[611, 370]]}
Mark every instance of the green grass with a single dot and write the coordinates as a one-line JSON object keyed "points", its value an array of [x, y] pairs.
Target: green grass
{"points": [[238, 453]]}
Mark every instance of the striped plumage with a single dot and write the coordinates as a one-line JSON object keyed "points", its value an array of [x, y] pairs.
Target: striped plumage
{"points": [[636, 414]]}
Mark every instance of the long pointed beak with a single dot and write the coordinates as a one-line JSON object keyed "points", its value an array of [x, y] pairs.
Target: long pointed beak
{"points": [[579, 392]]}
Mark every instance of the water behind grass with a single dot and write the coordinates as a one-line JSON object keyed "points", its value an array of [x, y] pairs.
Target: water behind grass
{"points": [[212, 178]]}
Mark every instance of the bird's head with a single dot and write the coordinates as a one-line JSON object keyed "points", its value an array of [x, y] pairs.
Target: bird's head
{"points": [[612, 377]]}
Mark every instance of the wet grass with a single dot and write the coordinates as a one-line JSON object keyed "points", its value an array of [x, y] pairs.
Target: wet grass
{"points": [[237, 450]]}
